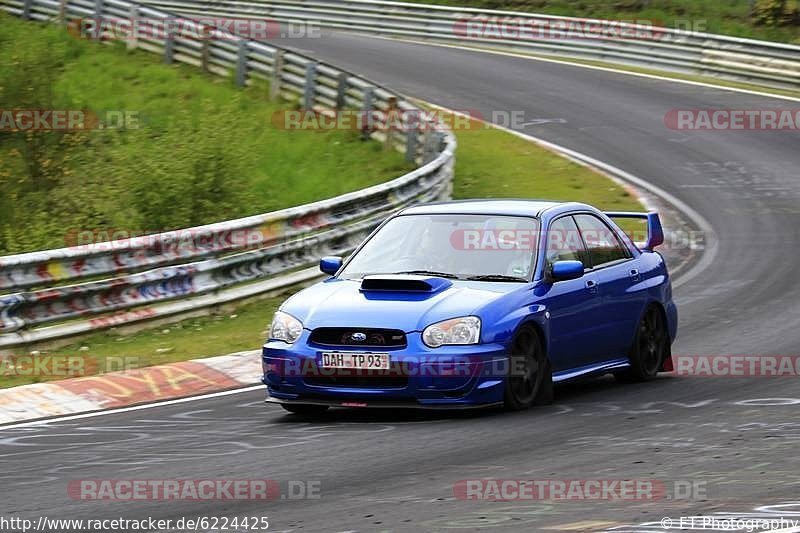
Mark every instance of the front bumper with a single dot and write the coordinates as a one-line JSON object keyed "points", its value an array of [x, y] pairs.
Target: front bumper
{"points": [[421, 377]]}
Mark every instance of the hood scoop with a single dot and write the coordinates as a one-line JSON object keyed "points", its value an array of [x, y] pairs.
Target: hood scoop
{"points": [[404, 283]]}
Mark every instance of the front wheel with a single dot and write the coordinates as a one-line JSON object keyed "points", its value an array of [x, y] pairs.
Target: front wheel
{"points": [[305, 409], [530, 377], [650, 347]]}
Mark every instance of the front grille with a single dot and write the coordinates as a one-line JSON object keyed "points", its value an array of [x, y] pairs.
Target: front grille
{"points": [[372, 337]]}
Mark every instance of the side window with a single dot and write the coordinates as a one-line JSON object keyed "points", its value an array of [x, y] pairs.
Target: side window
{"points": [[564, 242], [603, 245]]}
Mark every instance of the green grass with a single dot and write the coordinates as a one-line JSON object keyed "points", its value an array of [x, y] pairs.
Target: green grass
{"points": [[204, 150], [773, 20], [490, 164]]}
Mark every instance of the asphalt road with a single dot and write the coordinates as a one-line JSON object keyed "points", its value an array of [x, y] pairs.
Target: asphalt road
{"points": [[736, 440]]}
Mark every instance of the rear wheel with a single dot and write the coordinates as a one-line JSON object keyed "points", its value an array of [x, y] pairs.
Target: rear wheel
{"points": [[530, 378], [308, 410], [650, 347]]}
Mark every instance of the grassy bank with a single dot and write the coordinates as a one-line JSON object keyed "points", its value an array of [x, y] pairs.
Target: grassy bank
{"points": [[773, 20], [197, 149], [490, 164]]}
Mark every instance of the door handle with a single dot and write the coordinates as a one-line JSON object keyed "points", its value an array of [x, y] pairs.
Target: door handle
{"points": [[591, 285], [635, 274]]}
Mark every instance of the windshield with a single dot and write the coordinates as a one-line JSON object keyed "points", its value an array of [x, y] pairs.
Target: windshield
{"points": [[490, 247]]}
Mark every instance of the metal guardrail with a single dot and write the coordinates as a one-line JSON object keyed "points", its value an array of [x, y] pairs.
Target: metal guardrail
{"points": [[183, 270], [760, 62]]}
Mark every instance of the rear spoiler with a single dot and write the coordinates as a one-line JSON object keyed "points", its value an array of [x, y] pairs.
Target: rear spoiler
{"points": [[655, 233]]}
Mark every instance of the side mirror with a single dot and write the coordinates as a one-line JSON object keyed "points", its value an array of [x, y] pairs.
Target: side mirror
{"points": [[330, 265], [564, 270]]}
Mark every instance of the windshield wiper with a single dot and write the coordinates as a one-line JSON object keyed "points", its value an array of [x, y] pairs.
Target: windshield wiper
{"points": [[429, 273], [497, 277]]}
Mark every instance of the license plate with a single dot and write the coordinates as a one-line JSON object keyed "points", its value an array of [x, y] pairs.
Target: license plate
{"points": [[361, 360]]}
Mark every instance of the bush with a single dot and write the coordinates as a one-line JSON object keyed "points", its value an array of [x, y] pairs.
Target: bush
{"points": [[775, 13]]}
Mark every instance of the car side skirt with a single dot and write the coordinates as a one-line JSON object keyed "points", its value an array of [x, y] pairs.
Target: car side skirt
{"points": [[590, 370]]}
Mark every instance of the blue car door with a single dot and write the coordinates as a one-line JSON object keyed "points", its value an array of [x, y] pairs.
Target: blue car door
{"points": [[618, 277], [573, 304]]}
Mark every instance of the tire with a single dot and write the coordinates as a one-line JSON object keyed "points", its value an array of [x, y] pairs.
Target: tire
{"points": [[650, 347], [305, 409], [530, 377]]}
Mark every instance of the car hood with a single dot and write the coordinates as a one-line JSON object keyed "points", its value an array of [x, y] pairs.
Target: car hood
{"points": [[342, 303]]}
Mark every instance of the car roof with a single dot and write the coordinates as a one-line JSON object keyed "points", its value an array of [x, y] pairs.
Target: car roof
{"points": [[515, 207]]}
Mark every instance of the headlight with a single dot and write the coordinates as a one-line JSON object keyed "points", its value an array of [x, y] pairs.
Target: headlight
{"points": [[285, 327], [464, 330]]}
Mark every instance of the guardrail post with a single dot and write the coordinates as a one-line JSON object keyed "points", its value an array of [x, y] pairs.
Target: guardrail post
{"points": [[341, 90], [391, 116], [310, 93], [412, 138], [277, 70], [98, 14], [26, 9], [241, 63], [432, 145], [366, 109], [62, 11], [133, 38], [437, 142], [205, 35], [169, 45]]}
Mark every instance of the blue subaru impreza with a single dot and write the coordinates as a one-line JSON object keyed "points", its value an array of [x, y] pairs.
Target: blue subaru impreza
{"points": [[472, 304]]}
